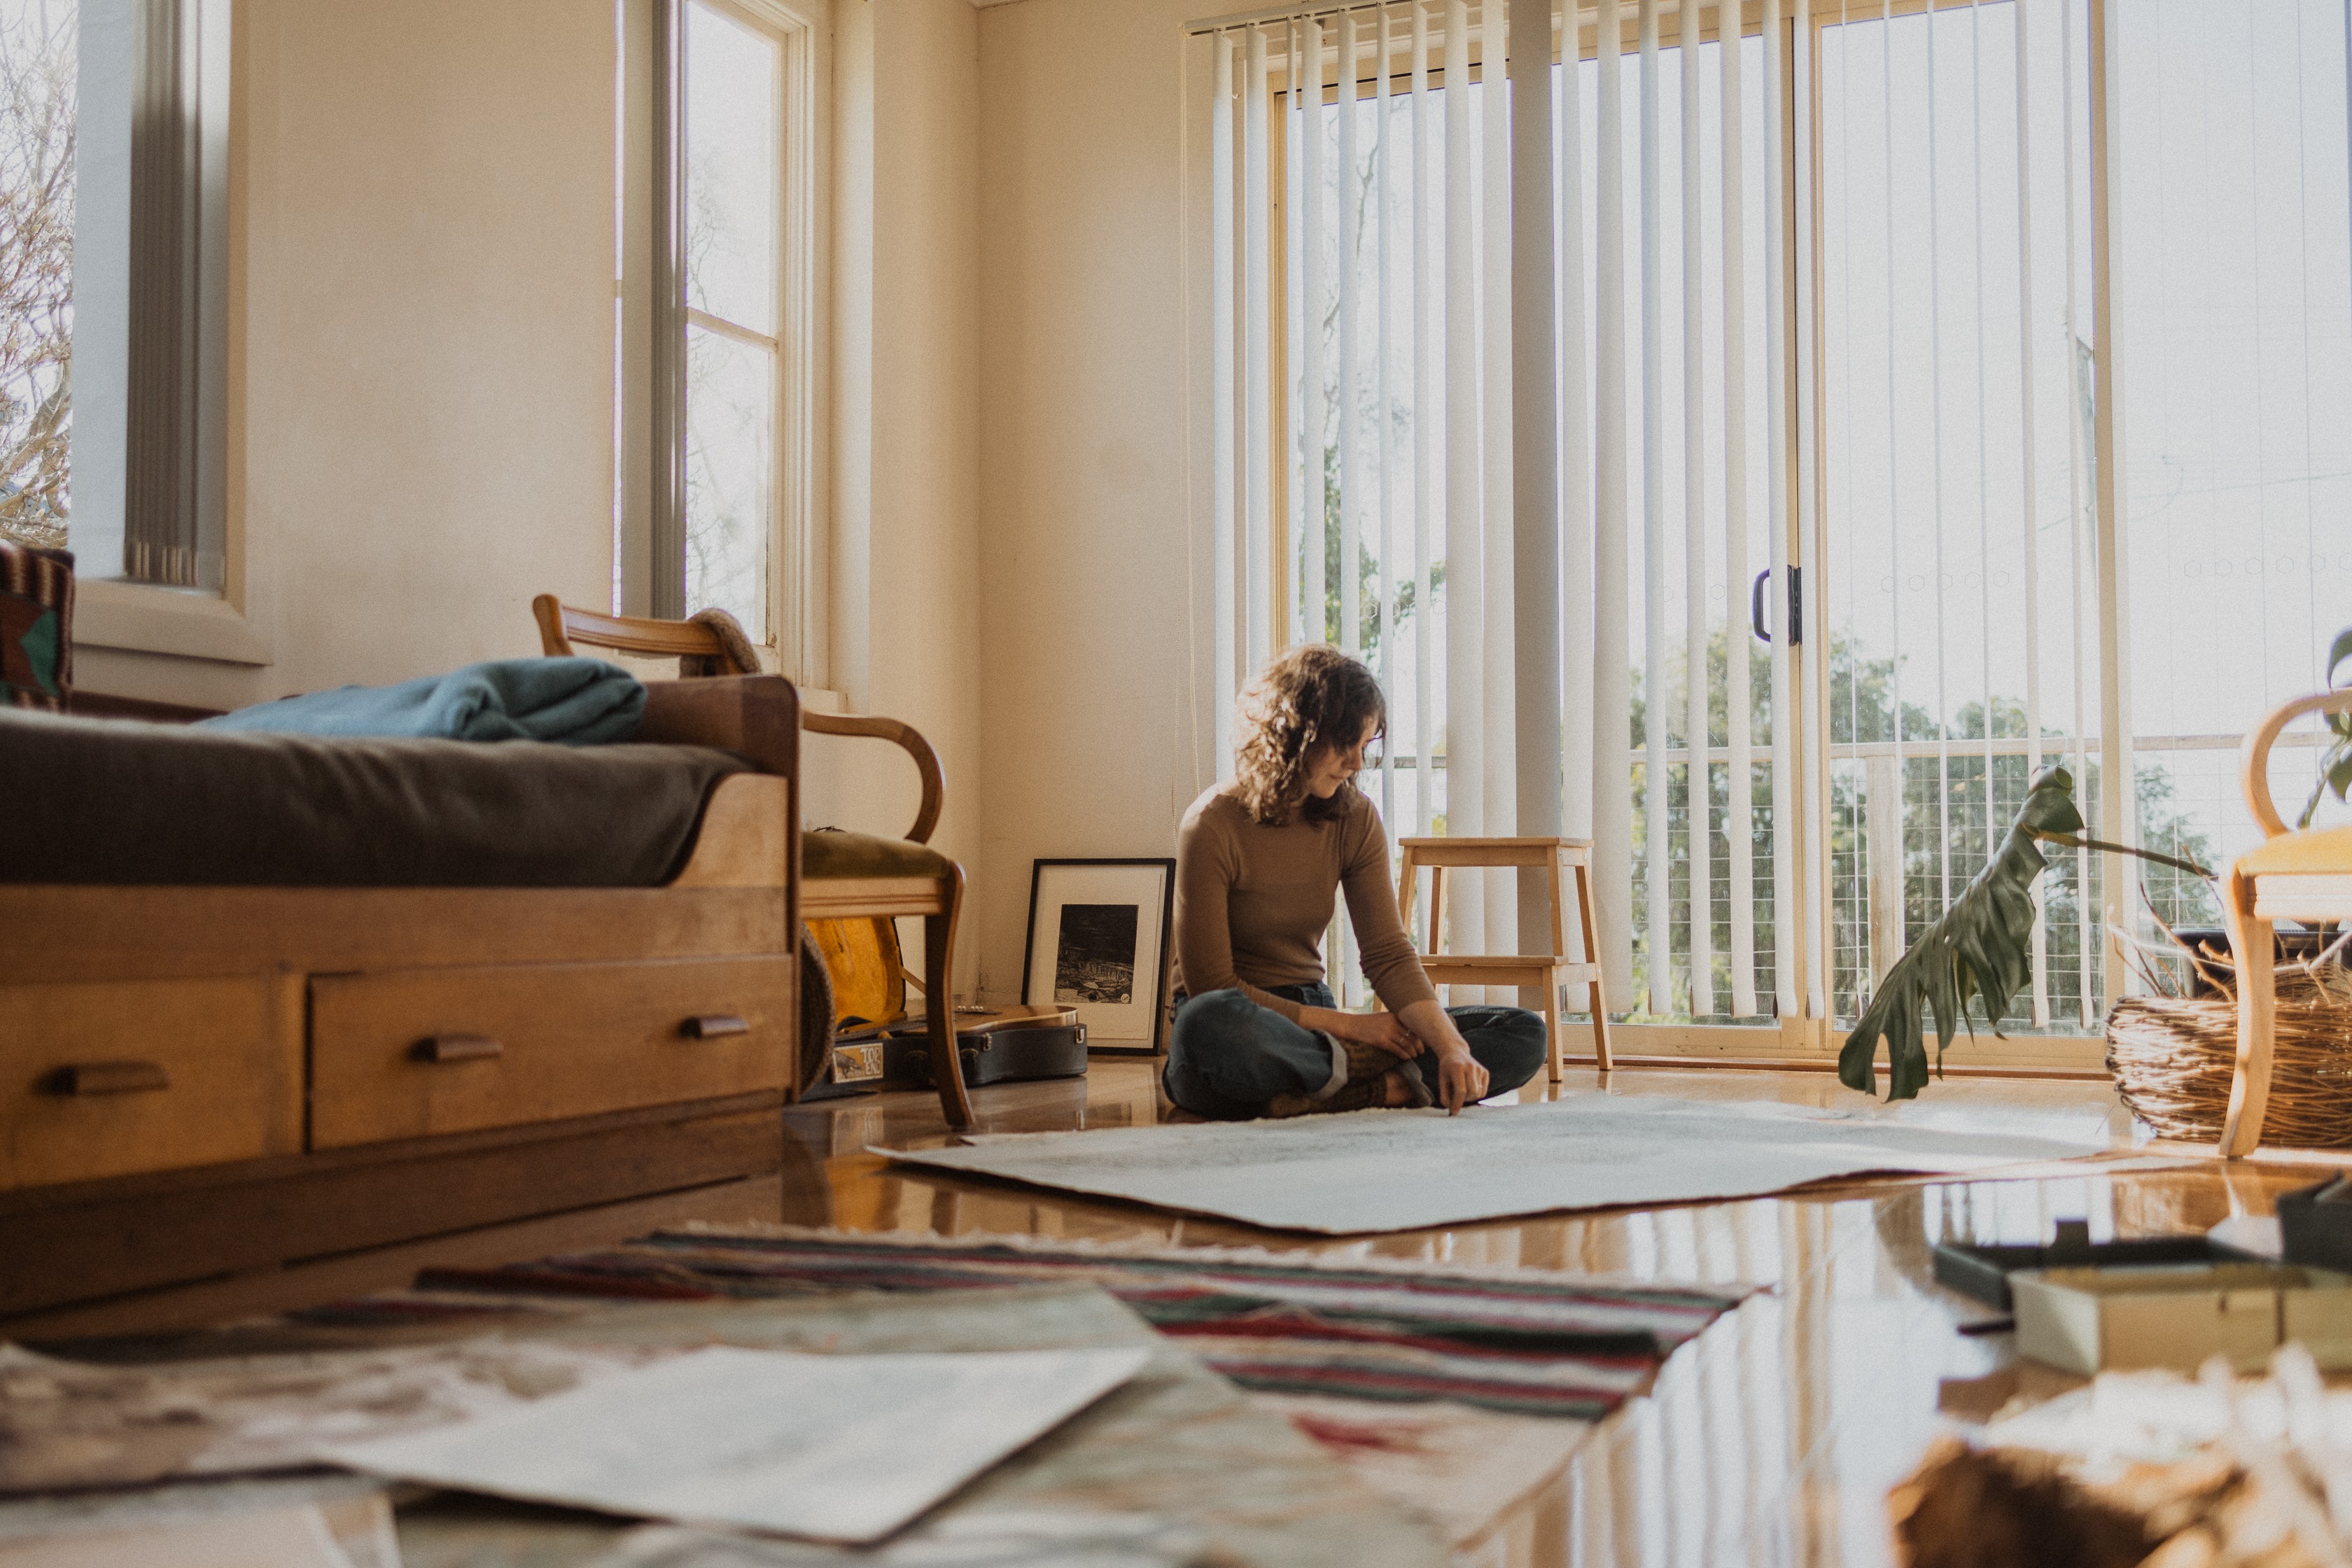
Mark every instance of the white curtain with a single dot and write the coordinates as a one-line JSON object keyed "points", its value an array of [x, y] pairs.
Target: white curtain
{"points": [[1362, 201], [1364, 497]]}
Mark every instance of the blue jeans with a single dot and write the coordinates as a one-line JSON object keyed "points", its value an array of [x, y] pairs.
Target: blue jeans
{"points": [[1227, 1056]]}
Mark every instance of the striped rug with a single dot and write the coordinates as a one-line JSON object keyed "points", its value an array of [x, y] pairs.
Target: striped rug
{"points": [[1526, 1343]]}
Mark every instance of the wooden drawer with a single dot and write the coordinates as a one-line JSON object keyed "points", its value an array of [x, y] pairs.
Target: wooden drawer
{"points": [[413, 1052], [114, 1078]]}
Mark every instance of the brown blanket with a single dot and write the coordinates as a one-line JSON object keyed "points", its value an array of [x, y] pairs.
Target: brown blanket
{"points": [[99, 801]]}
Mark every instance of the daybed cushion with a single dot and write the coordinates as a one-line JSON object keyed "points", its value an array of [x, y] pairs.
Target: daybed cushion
{"points": [[100, 801]]}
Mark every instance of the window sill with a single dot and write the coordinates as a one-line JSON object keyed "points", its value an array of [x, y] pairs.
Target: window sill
{"points": [[111, 613]]}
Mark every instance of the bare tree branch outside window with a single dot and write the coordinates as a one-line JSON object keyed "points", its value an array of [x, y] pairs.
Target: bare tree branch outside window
{"points": [[37, 40]]}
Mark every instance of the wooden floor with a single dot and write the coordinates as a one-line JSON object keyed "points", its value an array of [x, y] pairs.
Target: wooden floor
{"points": [[1771, 1439]]}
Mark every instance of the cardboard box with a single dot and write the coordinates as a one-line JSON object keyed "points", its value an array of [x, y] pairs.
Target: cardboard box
{"points": [[2101, 1320]]}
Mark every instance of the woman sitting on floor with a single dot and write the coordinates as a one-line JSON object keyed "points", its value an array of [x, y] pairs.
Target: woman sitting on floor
{"points": [[1258, 863]]}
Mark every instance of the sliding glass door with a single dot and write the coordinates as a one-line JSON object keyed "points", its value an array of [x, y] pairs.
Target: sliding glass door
{"points": [[1844, 570]]}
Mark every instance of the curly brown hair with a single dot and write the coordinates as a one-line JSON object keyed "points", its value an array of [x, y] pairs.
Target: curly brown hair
{"points": [[1311, 696]]}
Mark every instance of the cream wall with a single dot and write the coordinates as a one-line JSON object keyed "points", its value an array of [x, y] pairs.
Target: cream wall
{"points": [[421, 419], [906, 431], [421, 362], [1094, 741], [420, 423]]}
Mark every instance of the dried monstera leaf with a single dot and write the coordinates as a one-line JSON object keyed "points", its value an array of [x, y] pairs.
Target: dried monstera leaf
{"points": [[1983, 947]]}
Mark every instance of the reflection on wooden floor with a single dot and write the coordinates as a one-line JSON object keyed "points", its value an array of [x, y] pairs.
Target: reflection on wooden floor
{"points": [[1773, 1437]]}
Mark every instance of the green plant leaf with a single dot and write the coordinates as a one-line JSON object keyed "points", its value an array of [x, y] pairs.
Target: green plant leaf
{"points": [[2337, 652], [2335, 762], [1980, 948]]}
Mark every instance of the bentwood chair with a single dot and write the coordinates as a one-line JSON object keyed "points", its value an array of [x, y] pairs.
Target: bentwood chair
{"points": [[2299, 874], [844, 876]]}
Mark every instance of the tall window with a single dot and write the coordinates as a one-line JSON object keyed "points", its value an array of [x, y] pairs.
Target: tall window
{"points": [[2234, 258], [36, 225], [727, 397], [1831, 314], [1956, 505], [734, 73], [113, 129]]}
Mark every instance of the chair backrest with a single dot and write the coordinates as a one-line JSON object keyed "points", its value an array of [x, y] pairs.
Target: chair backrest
{"points": [[561, 624], [2254, 755]]}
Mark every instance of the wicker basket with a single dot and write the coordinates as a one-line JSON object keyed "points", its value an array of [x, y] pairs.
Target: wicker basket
{"points": [[2173, 1057]]}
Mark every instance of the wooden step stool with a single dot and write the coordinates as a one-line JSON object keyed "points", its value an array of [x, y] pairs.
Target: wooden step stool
{"points": [[1549, 971]]}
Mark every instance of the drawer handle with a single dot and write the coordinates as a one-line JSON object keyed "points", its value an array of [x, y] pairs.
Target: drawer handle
{"points": [[711, 1025], [457, 1048], [109, 1078]]}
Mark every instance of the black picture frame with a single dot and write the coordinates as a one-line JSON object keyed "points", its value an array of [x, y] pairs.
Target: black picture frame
{"points": [[1137, 1026]]}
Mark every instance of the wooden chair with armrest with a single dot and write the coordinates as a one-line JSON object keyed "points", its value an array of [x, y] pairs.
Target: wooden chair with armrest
{"points": [[844, 876], [2294, 874]]}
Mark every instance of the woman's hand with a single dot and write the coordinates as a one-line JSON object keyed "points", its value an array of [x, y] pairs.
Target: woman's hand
{"points": [[1460, 1080], [1384, 1031]]}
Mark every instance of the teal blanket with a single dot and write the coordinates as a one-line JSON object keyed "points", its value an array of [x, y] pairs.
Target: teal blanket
{"points": [[574, 701]]}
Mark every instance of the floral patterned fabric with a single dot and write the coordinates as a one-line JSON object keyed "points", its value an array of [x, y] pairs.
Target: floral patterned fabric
{"points": [[35, 627]]}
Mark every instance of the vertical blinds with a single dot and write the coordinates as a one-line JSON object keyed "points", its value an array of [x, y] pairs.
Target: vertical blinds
{"points": [[1361, 214], [1959, 509], [1365, 499]]}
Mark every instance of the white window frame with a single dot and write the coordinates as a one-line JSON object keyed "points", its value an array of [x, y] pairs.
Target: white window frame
{"points": [[213, 621], [651, 319]]}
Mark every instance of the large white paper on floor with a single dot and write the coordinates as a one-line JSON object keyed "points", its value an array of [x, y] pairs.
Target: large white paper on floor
{"points": [[834, 1448], [1405, 1170]]}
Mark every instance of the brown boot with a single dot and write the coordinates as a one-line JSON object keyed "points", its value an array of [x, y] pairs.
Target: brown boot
{"points": [[1416, 1088], [1366, 1062], [1370, 1072], [1365, 1086], [1371, 1062], [1356, 1094]]}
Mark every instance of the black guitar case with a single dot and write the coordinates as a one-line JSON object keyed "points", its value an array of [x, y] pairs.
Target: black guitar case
{"points": [[1007, 1053]]}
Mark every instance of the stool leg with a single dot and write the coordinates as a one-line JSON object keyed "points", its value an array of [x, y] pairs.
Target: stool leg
{"points": [[938, 964], [1436, 902], [1552, 1023], [2251, 948], [1594, 994], [1555, 998], [1558, 909]]}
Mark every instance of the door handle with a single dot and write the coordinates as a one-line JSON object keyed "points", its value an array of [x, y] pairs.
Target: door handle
{"points": [[108, 1078], [712, 1026], [1760, 624], [457, 1048]]}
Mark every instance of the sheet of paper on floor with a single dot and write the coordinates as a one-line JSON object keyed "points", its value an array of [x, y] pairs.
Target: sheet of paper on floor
{"points": [[1066, 1538], [1457, 1467], [295, 1537], [78, 1425], [831, 1448], [1374, 1171]]}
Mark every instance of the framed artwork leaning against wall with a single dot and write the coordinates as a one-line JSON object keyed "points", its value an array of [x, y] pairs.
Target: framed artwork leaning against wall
{"points": [[1099, 941]]}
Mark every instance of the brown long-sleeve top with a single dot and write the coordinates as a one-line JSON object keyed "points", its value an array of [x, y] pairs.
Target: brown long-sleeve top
{"points": [[1253, 902]]}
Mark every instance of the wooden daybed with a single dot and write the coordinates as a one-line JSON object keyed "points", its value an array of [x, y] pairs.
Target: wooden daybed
{"points": [[216, 1100]]}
